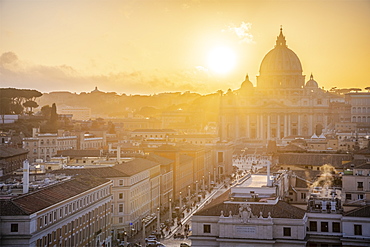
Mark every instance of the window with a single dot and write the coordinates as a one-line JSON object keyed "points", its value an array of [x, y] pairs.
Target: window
{"points": [[220, 157], [120, 195], [120, 208], [358, 229], [121, 182], [206, 228], [336, 226], [360, 185], [313, 226], [303, 196], [120, 220], [324, 226], [287, 232], [348, 196], [14, 227]]}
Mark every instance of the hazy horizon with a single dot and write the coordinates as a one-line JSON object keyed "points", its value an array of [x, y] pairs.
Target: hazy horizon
{"points": [[151, 47]]}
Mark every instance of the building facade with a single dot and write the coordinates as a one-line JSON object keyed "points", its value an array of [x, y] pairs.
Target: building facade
{"points": [[76, 212], [283, 104]]}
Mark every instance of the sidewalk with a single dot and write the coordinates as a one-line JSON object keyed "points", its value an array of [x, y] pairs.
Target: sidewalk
{"points": [[187, 215], [179, 226]]}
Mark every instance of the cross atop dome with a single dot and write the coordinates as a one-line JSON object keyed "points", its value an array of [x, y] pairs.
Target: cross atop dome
{"points": [[280, 41]]}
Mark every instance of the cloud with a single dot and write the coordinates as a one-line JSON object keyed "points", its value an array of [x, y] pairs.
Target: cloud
{"points": [[8, 57], [242, 32], [19, 74]]}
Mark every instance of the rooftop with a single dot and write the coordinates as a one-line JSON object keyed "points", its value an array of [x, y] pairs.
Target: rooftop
{"points": [[32, 202], [279, 210]]}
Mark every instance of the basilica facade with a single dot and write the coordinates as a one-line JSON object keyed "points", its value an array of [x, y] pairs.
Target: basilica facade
{"points": [[282, 104]]}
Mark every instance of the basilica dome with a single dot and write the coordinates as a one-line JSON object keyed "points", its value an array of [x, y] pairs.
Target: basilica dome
{"points": [[312, 83], [280, 68], [281, 59]]}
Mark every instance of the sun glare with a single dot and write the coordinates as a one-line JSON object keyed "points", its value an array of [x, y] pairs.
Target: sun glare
{"points": [[221, 59]]}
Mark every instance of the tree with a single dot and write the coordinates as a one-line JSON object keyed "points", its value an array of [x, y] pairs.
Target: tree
{"points": [[53, 114], [45, 111], [13, 99], [30, 104], [367, 88], [355, 89]]}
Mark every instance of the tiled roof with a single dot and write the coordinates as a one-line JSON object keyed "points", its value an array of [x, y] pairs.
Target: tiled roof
{"points": [[126, 169], [301, 183], [6, 151], [79, 153], [8, 208], [102, 172], [364, 151], [279, 210], [35, 201], [159, 159], [313, 159], [155, 130], [363, 166], [292, 148], [359, 212], [310, 175], [185, 158], [354, 163], [135, 166]]}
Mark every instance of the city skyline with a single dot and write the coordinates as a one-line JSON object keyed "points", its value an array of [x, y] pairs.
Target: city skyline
{"points": [[145, 47]]}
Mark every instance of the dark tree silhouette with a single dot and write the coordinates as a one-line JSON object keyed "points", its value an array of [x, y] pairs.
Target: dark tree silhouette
{"points": [[30, 104]]}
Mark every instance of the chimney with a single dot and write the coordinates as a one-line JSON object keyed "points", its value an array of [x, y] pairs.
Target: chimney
{"points": [[333, 206], [26, 176], [269, 182], [323, 206], [118, 154], [35, 131]]}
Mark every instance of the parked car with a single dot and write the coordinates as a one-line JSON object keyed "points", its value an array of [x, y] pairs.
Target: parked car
{"points": [[184, 245], [150, 238]]}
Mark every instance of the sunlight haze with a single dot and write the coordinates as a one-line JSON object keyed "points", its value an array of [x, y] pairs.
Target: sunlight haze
{"points": [[146, 47]]}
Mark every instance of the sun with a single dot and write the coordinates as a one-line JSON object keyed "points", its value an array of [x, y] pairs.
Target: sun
{"points": [[221, 59]]}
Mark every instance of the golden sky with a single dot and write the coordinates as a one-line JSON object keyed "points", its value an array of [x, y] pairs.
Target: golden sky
{"points": [[151, 46]]}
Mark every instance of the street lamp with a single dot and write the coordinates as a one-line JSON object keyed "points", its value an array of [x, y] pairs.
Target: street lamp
{"points": [[125, 238], [209, 181], [143, 222], [180, 202], [158, 221], [196, 188], [170, 210]]}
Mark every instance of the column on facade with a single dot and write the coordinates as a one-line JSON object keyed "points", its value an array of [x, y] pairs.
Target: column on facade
{"points": [[268, 127], [278, 126], [299, 124], [237, 126], [248, 127], [310, 124], [285, 125], [325, 116], [262, 127], [258, 128]]}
